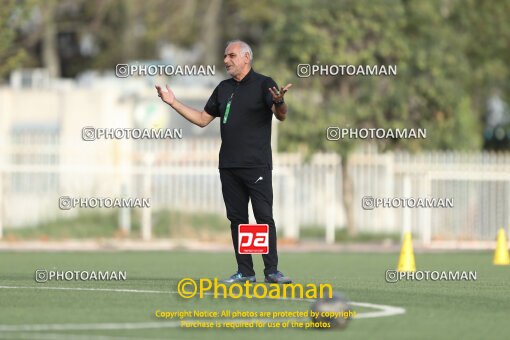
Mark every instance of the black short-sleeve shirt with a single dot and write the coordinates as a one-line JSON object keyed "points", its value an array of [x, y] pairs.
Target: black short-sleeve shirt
{"points": [[246, 130]]}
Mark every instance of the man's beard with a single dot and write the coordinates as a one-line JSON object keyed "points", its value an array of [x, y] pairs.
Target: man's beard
{"points": [[231, 71]]}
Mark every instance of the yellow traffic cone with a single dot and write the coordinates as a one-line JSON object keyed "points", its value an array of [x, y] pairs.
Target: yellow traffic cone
{"points": [[501, 257], [406, 261]]}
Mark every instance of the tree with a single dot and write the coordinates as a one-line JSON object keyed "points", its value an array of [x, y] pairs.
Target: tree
{"points": [[12, 54], [434, 87]]}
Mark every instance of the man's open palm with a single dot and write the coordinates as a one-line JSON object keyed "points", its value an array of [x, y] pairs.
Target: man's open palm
{"points": [[166, 96], [278, 94]]}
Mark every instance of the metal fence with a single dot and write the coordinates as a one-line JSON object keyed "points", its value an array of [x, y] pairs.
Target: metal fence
{"points": [[306, 194], [478, 184]]}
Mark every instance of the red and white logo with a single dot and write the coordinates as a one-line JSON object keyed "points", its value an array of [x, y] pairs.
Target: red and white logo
{"points": [[253, 239]]}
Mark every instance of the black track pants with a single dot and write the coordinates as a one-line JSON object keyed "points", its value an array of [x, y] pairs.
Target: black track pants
{"points": [[239, 185]]}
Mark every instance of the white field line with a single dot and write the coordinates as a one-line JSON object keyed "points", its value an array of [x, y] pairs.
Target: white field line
{"points": [[383, 310]]}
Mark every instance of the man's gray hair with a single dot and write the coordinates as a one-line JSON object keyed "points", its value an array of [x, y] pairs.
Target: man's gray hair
{"points": [[245, 48]]}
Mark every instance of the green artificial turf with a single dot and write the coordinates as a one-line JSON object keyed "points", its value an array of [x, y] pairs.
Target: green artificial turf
{"points": [[434, 310]]}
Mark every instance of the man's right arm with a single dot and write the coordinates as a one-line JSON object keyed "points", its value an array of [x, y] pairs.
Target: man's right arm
{"points": [[200, 118]]}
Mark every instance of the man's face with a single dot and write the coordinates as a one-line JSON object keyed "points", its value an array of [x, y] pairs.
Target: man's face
{"points": [[235, 61]]}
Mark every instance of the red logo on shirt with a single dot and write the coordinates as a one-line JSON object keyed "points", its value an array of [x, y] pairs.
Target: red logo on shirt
{"points": [[253, 239]]}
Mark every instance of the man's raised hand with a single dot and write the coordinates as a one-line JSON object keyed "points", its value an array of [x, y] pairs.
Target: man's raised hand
{"points": [[166, 96], [278, 94]]}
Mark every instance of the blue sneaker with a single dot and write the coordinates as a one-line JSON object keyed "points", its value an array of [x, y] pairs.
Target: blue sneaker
{"points": [[277, 277], [238, 277]]}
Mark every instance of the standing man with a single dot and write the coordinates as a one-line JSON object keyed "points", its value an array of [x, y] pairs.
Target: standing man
{"points": [[245, 105]]}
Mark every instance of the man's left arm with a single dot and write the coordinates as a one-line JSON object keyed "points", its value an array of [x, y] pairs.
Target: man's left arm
{"points": [[279, 106]]}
